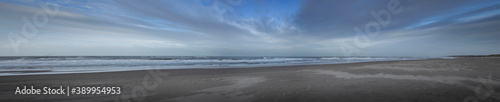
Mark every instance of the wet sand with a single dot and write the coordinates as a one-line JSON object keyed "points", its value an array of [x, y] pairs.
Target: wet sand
{"points": [[435, 80]]}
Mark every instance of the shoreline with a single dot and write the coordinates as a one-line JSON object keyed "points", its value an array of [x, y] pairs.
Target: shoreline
{"points": [[409, 80], [36, 72]]}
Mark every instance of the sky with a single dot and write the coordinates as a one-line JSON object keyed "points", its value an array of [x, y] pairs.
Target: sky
{"points": [[249, 27]]}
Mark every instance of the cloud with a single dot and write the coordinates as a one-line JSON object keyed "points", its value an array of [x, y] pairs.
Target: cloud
{"points": [[289, 28]]}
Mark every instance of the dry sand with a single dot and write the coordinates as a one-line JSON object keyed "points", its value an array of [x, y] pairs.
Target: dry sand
{"points": [[435, 80]]}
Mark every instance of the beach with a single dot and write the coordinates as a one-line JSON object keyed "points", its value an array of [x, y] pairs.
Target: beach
{"points": [[431, 80]]}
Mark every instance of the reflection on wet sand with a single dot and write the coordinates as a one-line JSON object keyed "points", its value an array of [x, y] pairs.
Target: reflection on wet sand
{"points": [[228, 93], [439, 79]]}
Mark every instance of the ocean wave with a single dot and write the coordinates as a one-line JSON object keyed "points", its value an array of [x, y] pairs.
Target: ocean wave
{"points": [[59, 63]]}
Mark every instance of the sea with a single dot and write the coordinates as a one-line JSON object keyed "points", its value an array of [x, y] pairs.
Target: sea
{"points": [[33, 65]]}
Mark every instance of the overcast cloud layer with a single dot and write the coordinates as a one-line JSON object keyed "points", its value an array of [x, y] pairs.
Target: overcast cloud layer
{"points": [[250, 28]]}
